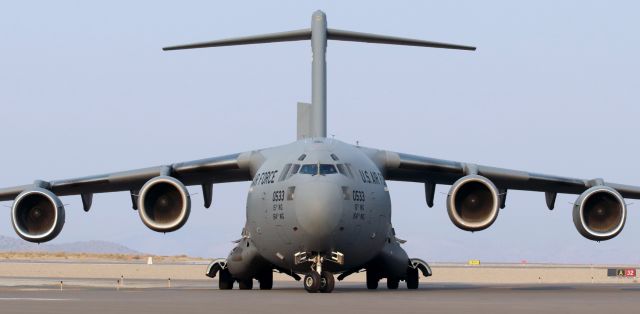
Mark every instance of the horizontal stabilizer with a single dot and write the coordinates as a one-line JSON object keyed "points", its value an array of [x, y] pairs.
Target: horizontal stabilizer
{"points": [[302, 34], [332, 34], [337, 34]]}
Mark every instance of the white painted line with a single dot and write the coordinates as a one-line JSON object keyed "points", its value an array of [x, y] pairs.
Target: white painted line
{"points": [[33, 299]]}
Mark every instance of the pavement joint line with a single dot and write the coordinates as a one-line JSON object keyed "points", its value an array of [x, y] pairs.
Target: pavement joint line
{"points": [[34, 299]]}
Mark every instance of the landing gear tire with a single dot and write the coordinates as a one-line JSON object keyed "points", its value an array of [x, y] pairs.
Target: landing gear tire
{"points": [[372, 280], [327, 282], [246, 284], [266, 281], [413, 278], [225, 281], [312, 282], [393, 283]]}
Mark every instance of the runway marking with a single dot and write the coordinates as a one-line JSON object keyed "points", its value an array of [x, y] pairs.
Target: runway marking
{"points": [[34, 299]]}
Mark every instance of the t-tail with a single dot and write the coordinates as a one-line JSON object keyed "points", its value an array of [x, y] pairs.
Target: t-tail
{"points": [[319, 34]]}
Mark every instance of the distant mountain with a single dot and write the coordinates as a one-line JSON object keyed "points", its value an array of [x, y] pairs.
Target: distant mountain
{"points": [[8, 244]]}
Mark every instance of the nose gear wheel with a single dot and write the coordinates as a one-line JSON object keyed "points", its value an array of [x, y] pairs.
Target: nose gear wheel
{"points": [[312, 282], [327, 282]]}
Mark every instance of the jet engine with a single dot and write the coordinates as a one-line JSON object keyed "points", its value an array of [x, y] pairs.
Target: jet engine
{"points": [[473, 203], [164, 204], [37, 215], [599, 213]]}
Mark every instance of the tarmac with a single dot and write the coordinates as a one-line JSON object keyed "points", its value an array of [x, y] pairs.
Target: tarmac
{"points": [[85, 295], [518, 274]]}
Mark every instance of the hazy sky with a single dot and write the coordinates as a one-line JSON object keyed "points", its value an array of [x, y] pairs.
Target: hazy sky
{"points": [[552, 88]]}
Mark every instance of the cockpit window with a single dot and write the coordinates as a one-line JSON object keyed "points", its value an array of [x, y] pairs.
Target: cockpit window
{"points": [[283, 174], [342, 169], [294, 170], [349, 169], [315, 169], [327, 169], [311, 169]]}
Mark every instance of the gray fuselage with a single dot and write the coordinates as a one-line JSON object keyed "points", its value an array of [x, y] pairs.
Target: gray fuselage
{"points": [[321, 196]]}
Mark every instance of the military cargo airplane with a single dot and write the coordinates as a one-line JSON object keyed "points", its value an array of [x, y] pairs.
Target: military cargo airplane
{"points": [[318, 207]]}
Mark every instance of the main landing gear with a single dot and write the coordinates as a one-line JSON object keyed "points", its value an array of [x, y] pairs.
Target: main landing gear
{"points": [[318, 280], [226, 281], [392, 282], [412, 277]]}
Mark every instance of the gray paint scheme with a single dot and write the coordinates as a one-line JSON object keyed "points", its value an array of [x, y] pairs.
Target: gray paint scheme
{"points": [[304, 121], [319, 74], [347, 212]]}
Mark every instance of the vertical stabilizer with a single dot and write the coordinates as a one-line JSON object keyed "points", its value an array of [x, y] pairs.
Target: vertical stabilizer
{"points": [[314, 121], [304, 120], [319, 74]]}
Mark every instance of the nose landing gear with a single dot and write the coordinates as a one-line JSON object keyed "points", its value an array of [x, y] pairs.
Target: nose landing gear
{"points": [[318, 280], [313, 282]]}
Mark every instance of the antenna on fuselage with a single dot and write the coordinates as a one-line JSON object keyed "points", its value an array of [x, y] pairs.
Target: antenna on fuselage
{"points": [[319, 34]]}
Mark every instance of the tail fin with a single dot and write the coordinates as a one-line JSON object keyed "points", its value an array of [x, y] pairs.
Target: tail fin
{"points": [[319, 34]]}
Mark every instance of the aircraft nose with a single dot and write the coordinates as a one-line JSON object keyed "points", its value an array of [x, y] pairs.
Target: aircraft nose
{"points": [[319, 207]]}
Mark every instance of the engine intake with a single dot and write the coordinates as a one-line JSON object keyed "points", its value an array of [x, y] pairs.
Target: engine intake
{"points": [[164, 204], [599, 213], [37, 215], [473, 203]]}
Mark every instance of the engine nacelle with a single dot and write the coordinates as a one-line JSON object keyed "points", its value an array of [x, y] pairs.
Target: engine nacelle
{"points": [[473, 203], [164, 204], [599, 213], [37, 215]]}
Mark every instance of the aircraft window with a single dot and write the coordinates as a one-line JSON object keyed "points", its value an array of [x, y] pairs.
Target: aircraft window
{"points": [[302, 157], [342, 169], [349, 169], [327, 169], [291, 192], [283, 174], [311, 169], [294, 170], [346, 193], [334, 157]]}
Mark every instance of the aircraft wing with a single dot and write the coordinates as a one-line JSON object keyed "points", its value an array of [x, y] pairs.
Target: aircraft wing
{"points": [[229, 168], [412, 168]]}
